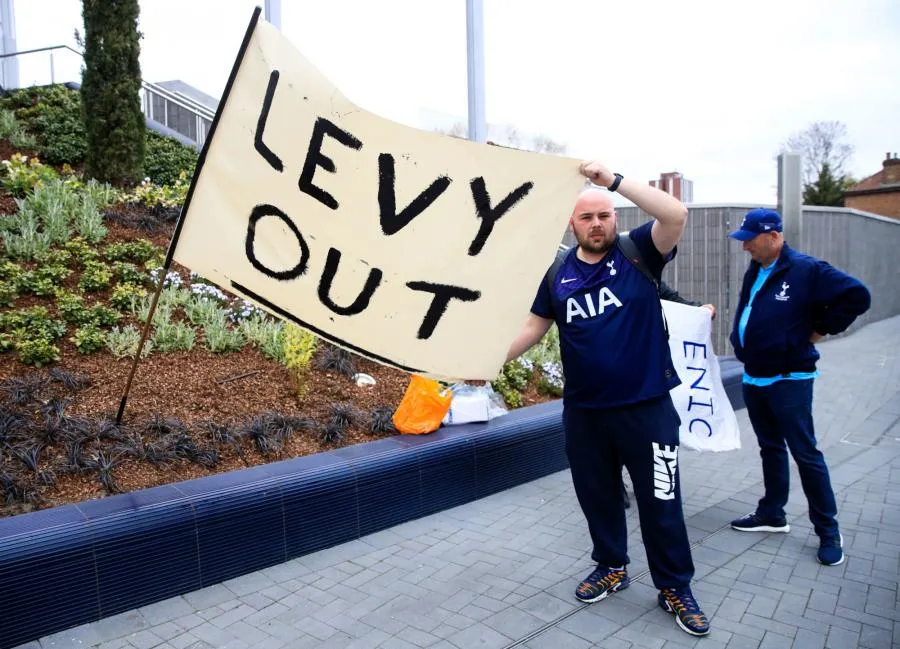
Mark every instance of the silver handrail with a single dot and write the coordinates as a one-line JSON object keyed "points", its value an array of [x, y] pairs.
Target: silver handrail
{"points": [[202, 114]]}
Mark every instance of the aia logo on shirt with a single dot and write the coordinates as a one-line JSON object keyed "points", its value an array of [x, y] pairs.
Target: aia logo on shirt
{"points": [[584, 306]]}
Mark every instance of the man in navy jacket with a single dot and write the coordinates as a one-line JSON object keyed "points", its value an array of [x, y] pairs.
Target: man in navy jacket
{"points": [[788, 302]]}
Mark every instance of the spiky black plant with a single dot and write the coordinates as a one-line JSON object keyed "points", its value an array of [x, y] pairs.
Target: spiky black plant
{"points": [[262, 435], [53, 412], [76, 461], [344, 415], [115, 216], [30, 457], [131, 446], [13, 489], [206, 457], [12, 424], [381, 420], [184, 446], [109, 429], [224, 434], [104, 464], [76, 429], [160, 452], [160, 426], [24, 390], [337, 359], [331, 433], [54, 409], [283, 426], [165, 214], [69, 380]]}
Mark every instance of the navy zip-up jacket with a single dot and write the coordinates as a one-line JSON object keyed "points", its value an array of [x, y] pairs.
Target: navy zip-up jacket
{"points": [[802, 295]]}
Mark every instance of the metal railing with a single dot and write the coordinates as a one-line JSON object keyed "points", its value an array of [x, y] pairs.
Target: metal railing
{"points": [[175, 111]]}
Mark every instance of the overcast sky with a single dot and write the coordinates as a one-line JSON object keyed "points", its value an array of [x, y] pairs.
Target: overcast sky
{"points": [[706, 87]]}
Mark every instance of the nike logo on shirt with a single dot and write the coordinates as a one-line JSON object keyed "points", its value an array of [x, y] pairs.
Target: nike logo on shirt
{"points": [[566, 281]]}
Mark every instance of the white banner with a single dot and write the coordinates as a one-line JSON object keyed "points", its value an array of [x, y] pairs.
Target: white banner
{"points": [[708, 422], [415, 249]]}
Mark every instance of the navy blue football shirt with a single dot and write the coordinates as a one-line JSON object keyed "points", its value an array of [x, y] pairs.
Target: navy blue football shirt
{"points": [[612, 339]]}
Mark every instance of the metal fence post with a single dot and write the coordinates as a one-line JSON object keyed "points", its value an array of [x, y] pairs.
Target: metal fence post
{"points": [[790, 196]]}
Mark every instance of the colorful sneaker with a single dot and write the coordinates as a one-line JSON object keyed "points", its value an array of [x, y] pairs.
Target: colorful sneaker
{"points": [[752, 522], [681, 603], [601, 583], [831, 550]]}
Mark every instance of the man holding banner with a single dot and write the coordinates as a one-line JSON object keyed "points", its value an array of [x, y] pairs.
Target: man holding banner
{"points": [[788, 302], [617, 409]]}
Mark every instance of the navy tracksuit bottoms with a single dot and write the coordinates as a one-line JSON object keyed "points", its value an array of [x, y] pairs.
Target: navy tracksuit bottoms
{"points": [[644, 438]]}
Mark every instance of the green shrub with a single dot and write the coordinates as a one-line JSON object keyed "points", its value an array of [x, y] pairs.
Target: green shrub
{"points": [[126, 296], [266, 334], [175, 296], [128, 273], [53, 114], [21, 174], [10, 271], [44, 280], [6, 343], [171, 337], [26, 244], [103, 316], [165, 159], [32, 323], [103, 194], [96, 277], [512, 380], [203, 312], [62, 136], [27, 103], [82, 251], [8, 293], [23, 141], [89, 222], [138, 251], [153, 195], [88, 339], [123, 343], [37, 352], [71, 308], [220, 338], [54, 257], [8, 123]]}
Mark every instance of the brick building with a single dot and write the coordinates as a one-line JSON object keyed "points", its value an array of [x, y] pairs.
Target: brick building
{"points": [[675, 184], [880, 192]]}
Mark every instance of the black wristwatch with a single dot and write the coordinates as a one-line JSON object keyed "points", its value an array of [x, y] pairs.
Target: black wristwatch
{"points": [[616, 182]]}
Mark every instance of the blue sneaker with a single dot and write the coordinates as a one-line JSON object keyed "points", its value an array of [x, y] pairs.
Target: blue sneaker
{"points": [[753, 522], [831, 550], [680, 602], [601, 583]]}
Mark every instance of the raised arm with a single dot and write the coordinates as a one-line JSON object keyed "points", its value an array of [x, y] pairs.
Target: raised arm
{"points": [[670, 213]]}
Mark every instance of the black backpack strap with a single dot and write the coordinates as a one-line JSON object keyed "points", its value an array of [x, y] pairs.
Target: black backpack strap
{"points": [[553, 271], [632, 254]]}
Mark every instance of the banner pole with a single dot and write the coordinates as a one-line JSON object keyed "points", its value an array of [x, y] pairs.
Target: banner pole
{"points": [[170, 253]]}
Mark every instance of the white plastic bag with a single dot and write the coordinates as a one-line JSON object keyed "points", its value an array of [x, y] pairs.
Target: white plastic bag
{"points": [[473, 403]]}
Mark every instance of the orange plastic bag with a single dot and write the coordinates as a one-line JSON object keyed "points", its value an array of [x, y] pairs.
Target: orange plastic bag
{"points": [[423, 406]]}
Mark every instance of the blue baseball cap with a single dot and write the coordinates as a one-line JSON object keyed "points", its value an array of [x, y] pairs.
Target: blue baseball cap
{"points": [[757, 222]]}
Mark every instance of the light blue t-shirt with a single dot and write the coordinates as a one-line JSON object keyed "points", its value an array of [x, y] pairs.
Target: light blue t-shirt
{"points": [[742, 326]]}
